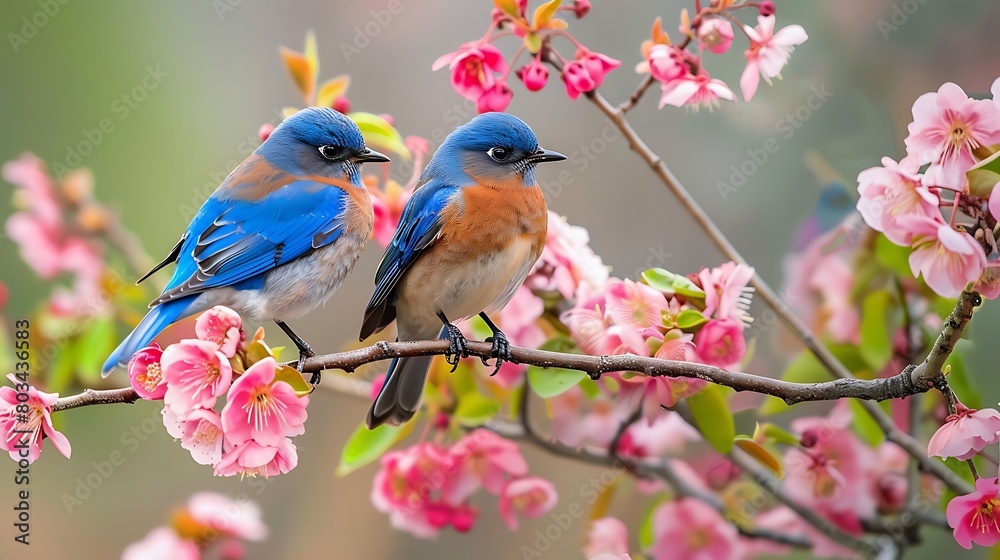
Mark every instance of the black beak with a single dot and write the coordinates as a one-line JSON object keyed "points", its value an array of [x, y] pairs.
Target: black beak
{"points": [[370, 155], [540, 156]]}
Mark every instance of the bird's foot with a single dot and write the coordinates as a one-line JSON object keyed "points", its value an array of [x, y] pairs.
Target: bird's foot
{"points": [[500, 351], [305, 353], [457, 346]]}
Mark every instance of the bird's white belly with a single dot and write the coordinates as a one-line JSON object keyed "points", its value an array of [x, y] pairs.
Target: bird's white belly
{"points": [[294, 289], [485, 283]]}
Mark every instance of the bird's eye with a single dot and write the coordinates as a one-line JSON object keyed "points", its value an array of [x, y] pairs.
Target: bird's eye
{"points": [[331, 152], [498, 153]]}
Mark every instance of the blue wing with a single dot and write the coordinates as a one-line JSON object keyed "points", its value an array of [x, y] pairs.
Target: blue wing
{"points": [[232, 241], [418, 228]]}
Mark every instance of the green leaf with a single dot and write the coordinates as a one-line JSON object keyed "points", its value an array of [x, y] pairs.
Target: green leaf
{"points": [[961, 382], [549, 382], [759, 454], [462, 380], [379, 133], [688, 319], [893, 257], [590, 388], [670, 284], [365, 446], [533, 42], [713, 418], [292, 376], [864, 425], [508, 7], [991, 163], [60, 369], [777, 434], [877, 326], [93, 348], [646, 535], [475, 410]]}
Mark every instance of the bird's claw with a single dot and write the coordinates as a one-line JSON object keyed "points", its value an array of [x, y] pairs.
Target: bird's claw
{"points": [[457, 347], [500, 351], [305, 353]]}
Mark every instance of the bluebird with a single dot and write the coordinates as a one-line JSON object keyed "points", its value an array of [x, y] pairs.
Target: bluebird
{"points": [[466, 240], [277, 237]]}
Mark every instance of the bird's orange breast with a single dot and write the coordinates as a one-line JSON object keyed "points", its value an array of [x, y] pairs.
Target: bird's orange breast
{"points": [[487, 219]]}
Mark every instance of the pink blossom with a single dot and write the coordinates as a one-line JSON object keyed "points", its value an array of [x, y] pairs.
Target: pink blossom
{"points": [[473, 68], [965, 434], [162, 543], [577, 79], [534, 75], [232, 518], [531, 496], [726, 293], [23, 440], [29, 173], [892, 191], [223, 326], [889, 478], [947, 259], [667, 63], [495, 98], [988, 284], [261, 409], [567, 261], [252, 459], [783, 519], [947, 128], [200, 433], [715, 35], [607, 535], [975, 517], [769, 52], [687, 529], [581, 8], [824, 474], [720, 343], [573, 425], [408, 485], [265, 130], [482, 458], [145, 374], [587, 72], [587, 324], [697, 90], [634, 305], [664, 433], [197, 373]]}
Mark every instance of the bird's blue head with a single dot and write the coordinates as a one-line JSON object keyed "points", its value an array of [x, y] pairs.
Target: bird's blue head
{"points": [[319, 141], [492, 149]]}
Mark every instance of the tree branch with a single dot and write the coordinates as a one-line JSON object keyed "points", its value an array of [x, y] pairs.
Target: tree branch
{"points": [[895, 387]]}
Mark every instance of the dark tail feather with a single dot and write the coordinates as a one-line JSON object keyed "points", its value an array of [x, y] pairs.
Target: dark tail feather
{"points": [[158, 318], [400, 396]]}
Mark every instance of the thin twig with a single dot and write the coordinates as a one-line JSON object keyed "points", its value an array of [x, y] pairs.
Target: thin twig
{"points": [[772, 486]]}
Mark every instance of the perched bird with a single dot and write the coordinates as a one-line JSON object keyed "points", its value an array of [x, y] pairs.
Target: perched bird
{"points": [[277, 237], [466, 240]]}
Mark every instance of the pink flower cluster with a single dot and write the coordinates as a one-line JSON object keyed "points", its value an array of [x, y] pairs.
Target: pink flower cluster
{"points": [[682, 75], [950, 134], [51, 230], [427, 487], [834, 473], [252, 435], [25, 420], [479, 71], [974, 517], [207, 519], [627, 317]]}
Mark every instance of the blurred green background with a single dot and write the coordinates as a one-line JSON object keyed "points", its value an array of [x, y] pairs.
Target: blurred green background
{"points": [[223, 78]]}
